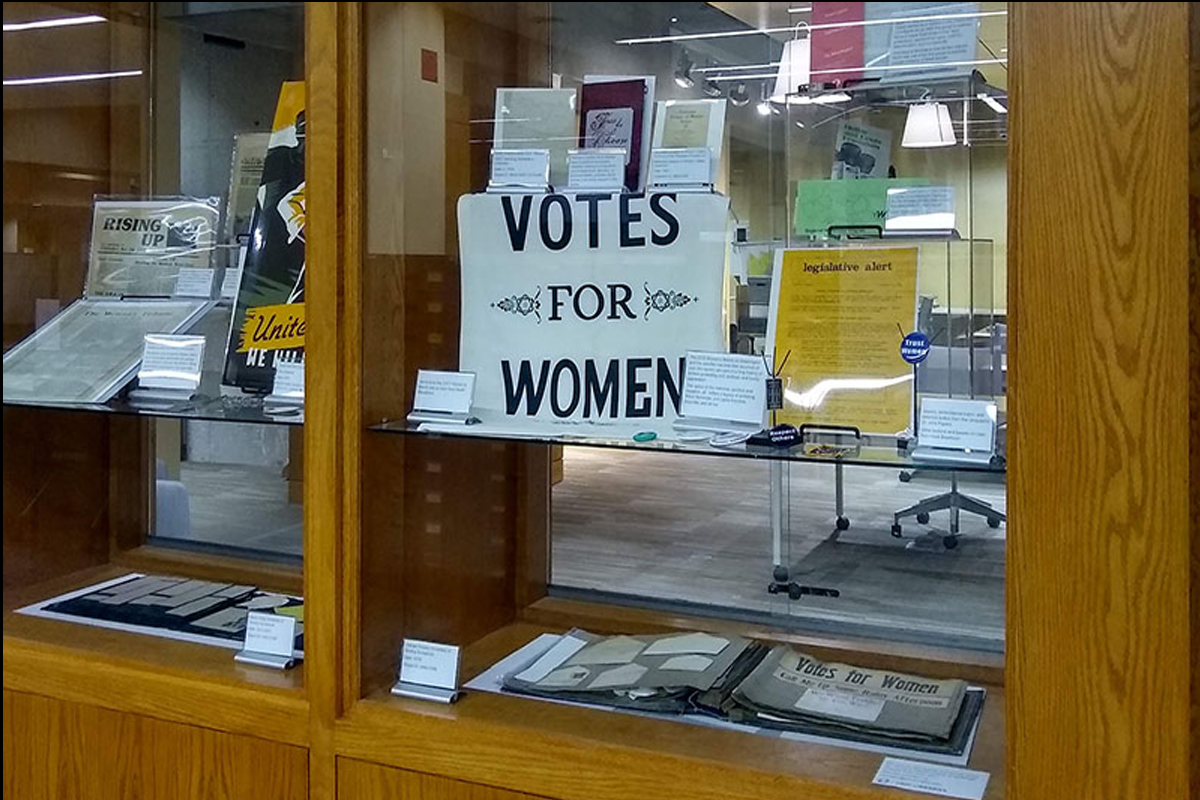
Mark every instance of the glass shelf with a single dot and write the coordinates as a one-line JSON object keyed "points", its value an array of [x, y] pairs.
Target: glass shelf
{"points": [[201, 407], [836, 448]]}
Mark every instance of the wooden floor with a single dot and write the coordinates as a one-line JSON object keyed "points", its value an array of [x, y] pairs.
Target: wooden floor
{"points": [[695, 529], [242, 506]]}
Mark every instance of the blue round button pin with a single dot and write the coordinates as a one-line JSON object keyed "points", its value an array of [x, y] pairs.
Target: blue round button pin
{"points": [[915, 347]]}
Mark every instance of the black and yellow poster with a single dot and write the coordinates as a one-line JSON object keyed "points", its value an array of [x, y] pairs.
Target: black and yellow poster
{"points": [[839, 316], [268, 315]]}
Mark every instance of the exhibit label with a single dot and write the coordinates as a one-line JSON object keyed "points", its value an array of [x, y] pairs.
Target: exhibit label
{"points": [[725, 386], [270, 633], [918, 776], [171, 361], [581, 308]]}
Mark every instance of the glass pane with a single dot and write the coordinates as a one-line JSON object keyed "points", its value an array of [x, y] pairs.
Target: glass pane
{"points": [[136, 143], [594, 232]]}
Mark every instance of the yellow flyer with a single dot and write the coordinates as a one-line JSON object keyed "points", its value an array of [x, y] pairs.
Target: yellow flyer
{"points": [[839, 316]]}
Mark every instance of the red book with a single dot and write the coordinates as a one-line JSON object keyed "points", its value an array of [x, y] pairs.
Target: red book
{"points": [[837, 53], [611, 114]]}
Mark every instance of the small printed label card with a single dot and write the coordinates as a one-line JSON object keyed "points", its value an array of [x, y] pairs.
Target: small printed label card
{"points": [[520, 169], [919, 776], [289, 381], [269, 640], [600, 169], [171, 361], [443, 396], [428, 671], [681, 167], [724, 386], [194, 282]]}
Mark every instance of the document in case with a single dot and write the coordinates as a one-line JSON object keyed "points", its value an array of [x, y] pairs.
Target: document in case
{"points": [[139, 246], [790, 685], [195, 611], [691, 123], [91, 349], [268, 318], [615, 112], [245, 175], [540, 119]]}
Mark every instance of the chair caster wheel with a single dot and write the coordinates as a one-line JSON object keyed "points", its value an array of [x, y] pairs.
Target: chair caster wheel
{"points": [[794, 592], [896, 530], [923, 518], [843, 524], [780, 574], [993, 522], [950, 542], [905, 477]]}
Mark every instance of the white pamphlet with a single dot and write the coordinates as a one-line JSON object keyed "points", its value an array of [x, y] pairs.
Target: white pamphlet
{"points": [[171, 362], [919, 776]]}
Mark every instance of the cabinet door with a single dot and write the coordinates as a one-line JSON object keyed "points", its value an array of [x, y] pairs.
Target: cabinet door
{"points": [[364, 781], [55, 749]]}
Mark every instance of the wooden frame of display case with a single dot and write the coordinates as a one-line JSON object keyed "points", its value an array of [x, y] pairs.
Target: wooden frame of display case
{"points": [[1101, 687], [1100, 643]]}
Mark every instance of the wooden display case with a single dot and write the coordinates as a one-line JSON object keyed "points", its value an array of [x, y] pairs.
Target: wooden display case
{"points": [[1097, 695]]}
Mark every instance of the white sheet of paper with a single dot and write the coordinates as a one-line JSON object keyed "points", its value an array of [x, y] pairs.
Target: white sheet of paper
{"points": [[596, 169], [918, 776], [194, 282], [429, 664], [680, 166], [289, 379], [171, 362], [617, 650], [449, 392], [233, 278], [957, 424], [688, 663], [553, 658], [841, 704], [920, 208], [521, 168], [687, 643], [273, 634], [623, 675], [724, 386]]}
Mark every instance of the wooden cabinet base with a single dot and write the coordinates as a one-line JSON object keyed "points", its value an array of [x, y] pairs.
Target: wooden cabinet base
{"points": [[364, 781], [55, 750]]}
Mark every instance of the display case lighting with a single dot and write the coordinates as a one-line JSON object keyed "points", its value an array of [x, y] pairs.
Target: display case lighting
{"points": [[57, 22], [687, 37], [86, 76]]}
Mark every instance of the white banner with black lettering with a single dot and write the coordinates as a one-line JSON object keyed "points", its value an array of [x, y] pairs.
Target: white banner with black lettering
{"points": [[578, 310]]}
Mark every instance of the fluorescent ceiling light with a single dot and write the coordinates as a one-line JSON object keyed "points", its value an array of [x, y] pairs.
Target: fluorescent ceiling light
{"points": [[59, 22], [815, 72], [685, 37], [992, 103], [87, 76], [800, 10]]}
